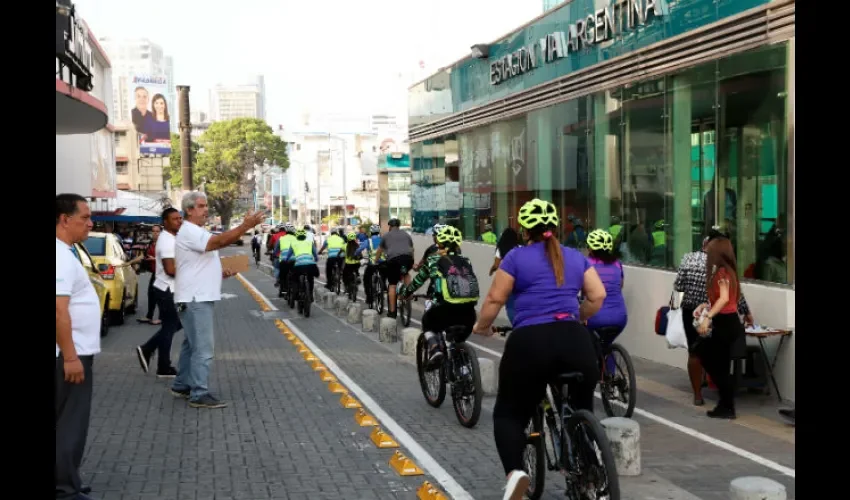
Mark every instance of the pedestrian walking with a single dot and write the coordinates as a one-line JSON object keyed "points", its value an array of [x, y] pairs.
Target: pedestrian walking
{"points": [[77, 341], [163, 287], [150, 265], [197, 284]]}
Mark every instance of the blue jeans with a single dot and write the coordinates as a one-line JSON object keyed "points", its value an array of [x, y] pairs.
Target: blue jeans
{"points": [[196, 353]]}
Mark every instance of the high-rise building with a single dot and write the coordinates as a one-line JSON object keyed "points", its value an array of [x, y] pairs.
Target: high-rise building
{"points": [[238, 101], [137, 56], [551, 4]]}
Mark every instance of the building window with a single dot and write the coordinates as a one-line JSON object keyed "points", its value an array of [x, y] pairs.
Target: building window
{"points": [[657, 163]]}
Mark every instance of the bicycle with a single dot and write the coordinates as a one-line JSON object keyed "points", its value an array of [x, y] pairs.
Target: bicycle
{"points": [[614, 382], [459, 369], [335, 279], [570, 441], [378, 289], [257, 257], [403, 306], [304, 296], [351, 287]]}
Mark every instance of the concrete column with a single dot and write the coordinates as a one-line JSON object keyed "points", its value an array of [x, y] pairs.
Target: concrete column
{"points": [[370, 320], [388, 330], [681, 124], [602, 171], [624, 436], [545, 143], [409, 337]]}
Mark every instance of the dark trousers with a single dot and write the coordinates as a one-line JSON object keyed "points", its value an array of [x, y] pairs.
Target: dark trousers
{"points": [[715, 354], [73, 409], [152, 298], [534, 356], [161, 340]]}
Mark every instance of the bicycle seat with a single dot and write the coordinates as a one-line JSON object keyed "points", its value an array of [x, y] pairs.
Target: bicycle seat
{"points": [[566, 378]]}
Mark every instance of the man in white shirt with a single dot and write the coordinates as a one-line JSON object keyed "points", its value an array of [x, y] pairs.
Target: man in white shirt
{"points": [[163, 287], [77, 341], [197, 284]]}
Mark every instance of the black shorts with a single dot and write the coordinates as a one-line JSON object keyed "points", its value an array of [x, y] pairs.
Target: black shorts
{"points": [[395, 266]]}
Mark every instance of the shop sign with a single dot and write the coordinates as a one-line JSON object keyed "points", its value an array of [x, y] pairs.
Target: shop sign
{"points": [[603, 25], [72, 45]]}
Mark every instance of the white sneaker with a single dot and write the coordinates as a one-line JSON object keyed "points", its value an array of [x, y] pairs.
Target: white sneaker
{"points": [[518, 483]]}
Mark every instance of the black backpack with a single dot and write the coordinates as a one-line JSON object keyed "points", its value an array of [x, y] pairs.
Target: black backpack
{"points": [[458, 283]]}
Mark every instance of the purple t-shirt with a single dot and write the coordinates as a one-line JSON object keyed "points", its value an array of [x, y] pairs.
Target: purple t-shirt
{"points": [[613, 310], [537, 297]]}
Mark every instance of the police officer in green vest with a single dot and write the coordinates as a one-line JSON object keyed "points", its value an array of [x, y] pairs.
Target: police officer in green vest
{"points": [[285, 265], [351, 271], [488, 236], [616, 227], [304, 257], [659, 243], [335, 246]]}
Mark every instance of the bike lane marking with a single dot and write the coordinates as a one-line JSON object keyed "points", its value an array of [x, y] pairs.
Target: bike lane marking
{"points": [[766, 462], [422, 457]]}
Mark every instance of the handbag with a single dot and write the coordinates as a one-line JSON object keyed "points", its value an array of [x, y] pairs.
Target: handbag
{"points": [[661, 315], [675, 333]]}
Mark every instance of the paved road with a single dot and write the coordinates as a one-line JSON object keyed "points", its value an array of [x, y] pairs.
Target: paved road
{"points": [[685, 454]]}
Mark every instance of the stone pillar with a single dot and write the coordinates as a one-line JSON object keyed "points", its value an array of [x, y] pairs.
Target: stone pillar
{"points": [[681, 232], [624, 436], [756, 488]]}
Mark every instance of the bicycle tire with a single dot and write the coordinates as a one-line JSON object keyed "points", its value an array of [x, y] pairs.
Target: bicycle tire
{"points": [[308, 298], [583, 419], [337, 286], [378, 294], [421, 363], [607, 405], [404, 308], [301, 286], [468, 351], [535, 439]]}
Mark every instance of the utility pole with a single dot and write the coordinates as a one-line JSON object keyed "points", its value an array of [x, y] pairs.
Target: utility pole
{"points": [[185, 126]]}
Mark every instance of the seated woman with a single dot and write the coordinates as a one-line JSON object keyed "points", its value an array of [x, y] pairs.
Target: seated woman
{"points": [[613, 313]]}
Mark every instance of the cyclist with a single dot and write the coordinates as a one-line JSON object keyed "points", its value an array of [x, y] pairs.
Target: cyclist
{"points": [[303, 255], [429, 251], [371, 246], [255, 245], [351, 271], [284, 264], [455, 291], [613, 312], [548, 338], [335, 246], [274, 251], [398, 246]]}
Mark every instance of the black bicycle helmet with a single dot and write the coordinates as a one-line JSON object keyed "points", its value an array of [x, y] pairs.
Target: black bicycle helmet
{"points": [[394, 223]]}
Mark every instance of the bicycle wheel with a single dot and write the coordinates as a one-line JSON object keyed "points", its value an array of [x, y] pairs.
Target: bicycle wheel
{"points": [[378, 294], [619, 389], [593, 459], [534, 456], [431, 379], [301, 286], [467, 392], [290, 292], [308, 297], [337, 286], [404, 308]]}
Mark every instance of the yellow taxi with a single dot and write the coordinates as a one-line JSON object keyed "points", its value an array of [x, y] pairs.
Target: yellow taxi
{"points": [[98, 283], [116, 270]]}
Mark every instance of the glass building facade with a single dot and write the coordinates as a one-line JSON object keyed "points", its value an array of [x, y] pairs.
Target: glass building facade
{"points": [[656, 156]]}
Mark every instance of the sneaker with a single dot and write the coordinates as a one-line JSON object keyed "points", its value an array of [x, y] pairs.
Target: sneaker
{"points": [[144, 358], [180, 393], [392, 314], [207, 401], [435, 354], [169, 372], [517, 486], [721, 412]]}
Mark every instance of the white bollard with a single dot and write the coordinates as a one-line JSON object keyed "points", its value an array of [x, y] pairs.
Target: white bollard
{"points": [[341, 306], [370, 320], [756, 488], [330, 299], [319, 295], [409, 337], [489, 372], [624, 436], [388, 330], [354, 313]]}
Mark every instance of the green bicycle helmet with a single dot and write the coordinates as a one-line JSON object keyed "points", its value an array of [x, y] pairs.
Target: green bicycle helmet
{"points": [[600, 239], [537, 212], [300, 233], [659, 225], [449, 234], [351, 236]]}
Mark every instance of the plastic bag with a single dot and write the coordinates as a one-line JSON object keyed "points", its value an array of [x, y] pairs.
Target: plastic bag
{"points": [[675, 333]]}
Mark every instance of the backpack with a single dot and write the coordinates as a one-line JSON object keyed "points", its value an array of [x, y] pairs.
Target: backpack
{"points": [[458, 282]]}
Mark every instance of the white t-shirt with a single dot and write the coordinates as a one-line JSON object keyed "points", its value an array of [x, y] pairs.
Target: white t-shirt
{"points": [[165, 249], [72, 280], [198, 272]]}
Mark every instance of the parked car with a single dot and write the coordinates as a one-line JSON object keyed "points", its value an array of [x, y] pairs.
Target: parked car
{"points": [[99, 286], [218, 230], [114, 268]]}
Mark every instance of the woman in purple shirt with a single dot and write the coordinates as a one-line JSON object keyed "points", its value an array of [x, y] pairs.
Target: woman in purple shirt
{"points": [[602, 257], [548, 338]]}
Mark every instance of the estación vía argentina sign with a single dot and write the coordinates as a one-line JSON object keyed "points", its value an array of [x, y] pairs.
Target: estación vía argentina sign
{"points": [[600, 26]]}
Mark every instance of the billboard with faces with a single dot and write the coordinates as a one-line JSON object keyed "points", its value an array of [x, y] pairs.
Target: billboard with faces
{"points": [[151, 113]]}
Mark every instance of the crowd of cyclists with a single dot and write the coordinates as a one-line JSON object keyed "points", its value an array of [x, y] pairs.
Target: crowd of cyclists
{"points": [[557, 296]]}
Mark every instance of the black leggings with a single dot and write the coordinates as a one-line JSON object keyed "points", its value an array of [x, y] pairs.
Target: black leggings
{"points": [[332, 261], [350, 272], [152, 298], [534, 356], [715, 354], [439, 317]]}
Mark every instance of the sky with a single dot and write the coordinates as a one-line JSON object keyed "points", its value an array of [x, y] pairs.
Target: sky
{"points": [[331, 55]]}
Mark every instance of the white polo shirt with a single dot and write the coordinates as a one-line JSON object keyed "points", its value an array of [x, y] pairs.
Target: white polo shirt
{"points": [[165, 249], [198, 276], [72, 280]]}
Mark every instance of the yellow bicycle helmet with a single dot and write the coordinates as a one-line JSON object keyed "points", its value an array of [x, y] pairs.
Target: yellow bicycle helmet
{"points": [[537, 212], [600, 239], [449, 234], [300, 233], [351, 236]]}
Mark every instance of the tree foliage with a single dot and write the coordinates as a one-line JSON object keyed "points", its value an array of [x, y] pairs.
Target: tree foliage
{"points": [[224, 160]]}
